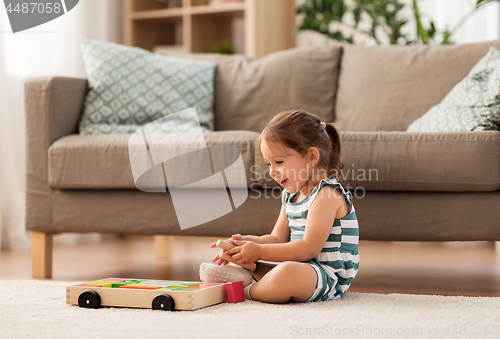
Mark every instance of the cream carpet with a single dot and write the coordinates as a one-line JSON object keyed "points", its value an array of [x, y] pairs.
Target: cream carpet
{"points": [[37, 309]]}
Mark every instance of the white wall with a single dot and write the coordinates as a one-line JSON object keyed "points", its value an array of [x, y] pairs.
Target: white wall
{"points": [[46, 50], [481, 26]]}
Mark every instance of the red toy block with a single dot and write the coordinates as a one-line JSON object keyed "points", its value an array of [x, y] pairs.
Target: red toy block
{"points": [[235, 292]]}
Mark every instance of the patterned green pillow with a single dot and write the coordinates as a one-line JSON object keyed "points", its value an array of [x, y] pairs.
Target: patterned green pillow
{"points": [[131, 87], [473, 104]]}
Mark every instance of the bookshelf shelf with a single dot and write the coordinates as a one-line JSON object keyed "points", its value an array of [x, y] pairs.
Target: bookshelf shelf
{"points": [[158, 14], [268, 24], [215, 9]]}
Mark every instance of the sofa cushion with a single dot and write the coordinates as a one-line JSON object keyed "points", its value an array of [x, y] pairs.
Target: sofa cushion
{"points": [[470, 104], [388, 87], [102, 161], [249, 92], [130, 87], [400, 161]]}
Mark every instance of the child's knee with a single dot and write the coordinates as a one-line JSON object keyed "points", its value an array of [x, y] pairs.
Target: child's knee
{"points": [[285, 273], [285, 268], [295, 275]]}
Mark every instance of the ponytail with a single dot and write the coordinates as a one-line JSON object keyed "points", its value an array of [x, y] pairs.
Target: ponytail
{"points": [[336, 162]]}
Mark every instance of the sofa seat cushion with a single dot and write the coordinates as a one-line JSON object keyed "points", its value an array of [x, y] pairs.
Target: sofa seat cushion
{"points": [[441, 162], [102, 161], [401, 161]]}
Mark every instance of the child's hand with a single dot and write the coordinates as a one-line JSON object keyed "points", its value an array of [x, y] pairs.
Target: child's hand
{"points": [[231, 241], [247, 252]]}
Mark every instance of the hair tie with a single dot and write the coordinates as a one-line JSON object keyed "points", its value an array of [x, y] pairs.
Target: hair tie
{"points": [[323, 124]]}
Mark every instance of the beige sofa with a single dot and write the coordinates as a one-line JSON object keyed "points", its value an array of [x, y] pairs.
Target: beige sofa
{"points": [[406, 186]]}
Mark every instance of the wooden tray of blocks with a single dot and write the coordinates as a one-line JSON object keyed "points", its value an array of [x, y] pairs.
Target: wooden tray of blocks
{"points": [[142, 293]]}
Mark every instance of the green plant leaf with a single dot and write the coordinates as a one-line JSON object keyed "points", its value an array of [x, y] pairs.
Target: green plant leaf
{"points": [[383, 17], [431, 31], [223, 47], [357, 15]]}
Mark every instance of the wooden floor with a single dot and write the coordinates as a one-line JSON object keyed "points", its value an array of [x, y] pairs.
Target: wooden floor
{"points": [[469, 269]]}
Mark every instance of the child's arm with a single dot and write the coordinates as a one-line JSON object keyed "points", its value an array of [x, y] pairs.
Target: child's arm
{"points": [[280, 233], [318, 226]]}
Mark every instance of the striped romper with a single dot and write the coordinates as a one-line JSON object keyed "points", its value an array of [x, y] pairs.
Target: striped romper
{"points": [[337, 264]]}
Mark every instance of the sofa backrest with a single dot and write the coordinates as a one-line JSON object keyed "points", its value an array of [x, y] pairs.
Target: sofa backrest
{"points": [[388, 87], [249, 92]]}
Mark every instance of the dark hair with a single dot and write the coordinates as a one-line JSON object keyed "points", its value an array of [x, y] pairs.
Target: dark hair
{"points": [[300, 130]]}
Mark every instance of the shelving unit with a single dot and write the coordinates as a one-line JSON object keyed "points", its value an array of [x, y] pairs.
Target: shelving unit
{"points": [[268, 24]]}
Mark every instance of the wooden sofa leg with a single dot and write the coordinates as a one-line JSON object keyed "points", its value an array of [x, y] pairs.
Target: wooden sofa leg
{"points": [[41, 255], [163, 246]]}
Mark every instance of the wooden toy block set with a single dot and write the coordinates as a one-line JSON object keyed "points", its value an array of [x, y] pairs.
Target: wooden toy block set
{"points": [[156, 294]]}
